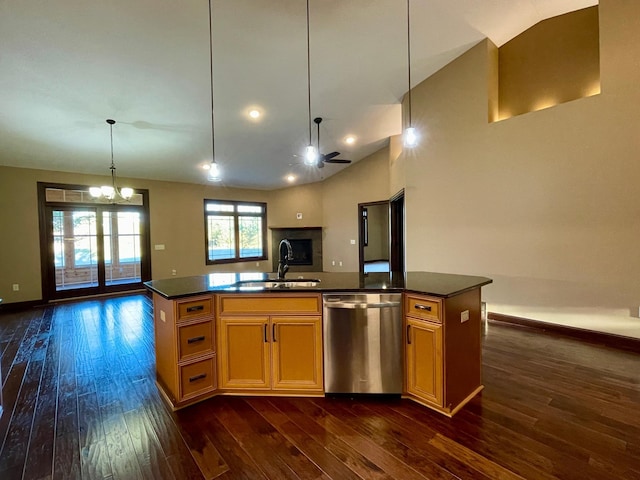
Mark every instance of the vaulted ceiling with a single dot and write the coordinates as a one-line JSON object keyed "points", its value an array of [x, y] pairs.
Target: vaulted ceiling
{"points": [[68, 65]]}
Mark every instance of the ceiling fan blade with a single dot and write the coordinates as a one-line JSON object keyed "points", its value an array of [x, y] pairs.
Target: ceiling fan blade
{"points": [[329, 156], [338, 160]]}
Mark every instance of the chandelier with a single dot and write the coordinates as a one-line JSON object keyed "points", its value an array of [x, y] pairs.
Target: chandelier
{"points": [[111, 192]]}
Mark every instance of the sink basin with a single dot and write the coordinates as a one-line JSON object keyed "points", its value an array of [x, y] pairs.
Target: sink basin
{"points": [[279, 283]]}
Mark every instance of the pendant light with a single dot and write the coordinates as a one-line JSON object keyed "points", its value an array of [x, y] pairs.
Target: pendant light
{"points": [[410, 135], [311, 152], [111, 192], [214, 168]]}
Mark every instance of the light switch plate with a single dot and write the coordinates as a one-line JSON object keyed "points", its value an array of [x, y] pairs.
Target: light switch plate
{"points": [[464, 316]]}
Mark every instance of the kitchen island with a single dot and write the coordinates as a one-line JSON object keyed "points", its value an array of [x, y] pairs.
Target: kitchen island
{"points": [[228, 333]]}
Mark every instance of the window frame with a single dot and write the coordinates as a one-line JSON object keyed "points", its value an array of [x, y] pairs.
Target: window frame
{"points": [[236, 227]]}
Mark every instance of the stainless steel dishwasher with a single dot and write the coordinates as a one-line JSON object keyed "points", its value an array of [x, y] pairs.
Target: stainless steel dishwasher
{"points": [[362, 343]]}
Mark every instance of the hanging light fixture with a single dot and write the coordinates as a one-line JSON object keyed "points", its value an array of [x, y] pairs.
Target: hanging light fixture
{"points": [[111, 192], [311, 152], [410, 134], [214, 174]]}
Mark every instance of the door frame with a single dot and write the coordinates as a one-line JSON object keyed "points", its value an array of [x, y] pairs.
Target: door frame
{"points": [[47, 270], [397, 265]]}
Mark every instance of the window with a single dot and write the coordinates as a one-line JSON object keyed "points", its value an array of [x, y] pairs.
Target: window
{"points": [[235, 231]]}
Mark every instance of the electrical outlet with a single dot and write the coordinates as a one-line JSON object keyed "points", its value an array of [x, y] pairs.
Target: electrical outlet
{"points": [[333, 263], [299, 215], [340, 263], [353, 242], [16, 287], [173, 272], [464, 316], [159, 246]]}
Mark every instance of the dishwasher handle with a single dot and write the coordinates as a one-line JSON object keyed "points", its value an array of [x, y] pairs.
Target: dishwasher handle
{"points": [[363, 305]]}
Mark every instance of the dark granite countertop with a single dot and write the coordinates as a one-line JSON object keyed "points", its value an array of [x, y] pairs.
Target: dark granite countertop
{"points": [[428, 283]]}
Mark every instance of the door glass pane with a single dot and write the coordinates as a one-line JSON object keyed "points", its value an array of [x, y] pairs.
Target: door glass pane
{"points": [[122, 247], [250, 230], [75, 249], [221, 241]]}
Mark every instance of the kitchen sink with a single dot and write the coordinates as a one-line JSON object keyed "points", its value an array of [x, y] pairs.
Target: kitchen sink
{"points": [[279, 283]]}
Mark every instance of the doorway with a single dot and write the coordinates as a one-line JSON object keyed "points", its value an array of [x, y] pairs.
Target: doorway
{"points": [[374, 236], [89, 248]]}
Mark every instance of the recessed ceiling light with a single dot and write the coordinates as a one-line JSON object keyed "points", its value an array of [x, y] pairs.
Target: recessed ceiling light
{"points": [[291, 178], [254, 113], [350, 140]]}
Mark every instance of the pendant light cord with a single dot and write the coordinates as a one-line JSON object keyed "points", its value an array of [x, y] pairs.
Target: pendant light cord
{"points": [[213, 148], [409, 56], [309, 72], [112, 167]]}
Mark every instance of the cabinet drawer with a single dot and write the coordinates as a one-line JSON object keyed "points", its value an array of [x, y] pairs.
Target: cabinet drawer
{"points": [[420, 307], [193, 308], [194, 340], [270, 304], [197, 378]]}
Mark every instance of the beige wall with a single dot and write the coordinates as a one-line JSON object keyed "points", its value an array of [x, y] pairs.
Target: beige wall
{"points": [[288, 202], [544, 66], [177, 220], [364, 181], [546, 203]]}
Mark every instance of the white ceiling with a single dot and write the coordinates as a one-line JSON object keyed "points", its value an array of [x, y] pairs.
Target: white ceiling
{"points": [[68, 65]]}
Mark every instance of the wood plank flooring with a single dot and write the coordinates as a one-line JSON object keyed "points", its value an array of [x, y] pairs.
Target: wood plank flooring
{"points": [[81, 402]]}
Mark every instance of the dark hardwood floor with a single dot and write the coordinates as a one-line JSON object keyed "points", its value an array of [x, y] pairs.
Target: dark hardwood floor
{"points": [[80, 402]]}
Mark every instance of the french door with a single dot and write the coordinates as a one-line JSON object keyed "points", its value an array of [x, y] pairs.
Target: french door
{"points": [[92, 249]]}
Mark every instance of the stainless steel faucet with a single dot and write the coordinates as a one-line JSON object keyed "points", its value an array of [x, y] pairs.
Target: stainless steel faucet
{"points": [[283, 267]]}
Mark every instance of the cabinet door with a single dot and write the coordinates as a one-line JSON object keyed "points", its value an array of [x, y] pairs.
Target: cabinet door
{"points": [[297, 353], [244, 356], [424, 361]]}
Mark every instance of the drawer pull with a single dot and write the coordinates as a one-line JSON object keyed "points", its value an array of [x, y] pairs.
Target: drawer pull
{"points": [[195, 339], [409, 334], [265, 333], [195, 308], [195, 378], [273, 333], [426, 308]]}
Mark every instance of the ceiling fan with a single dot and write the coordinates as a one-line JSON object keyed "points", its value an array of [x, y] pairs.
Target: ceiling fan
{"points": [[329, 157]]}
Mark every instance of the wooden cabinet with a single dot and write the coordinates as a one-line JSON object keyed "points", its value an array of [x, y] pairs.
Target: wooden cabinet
{"points": [[424, 360], [270, 342], [443, 350], [185, 348]]}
